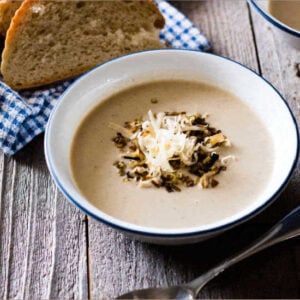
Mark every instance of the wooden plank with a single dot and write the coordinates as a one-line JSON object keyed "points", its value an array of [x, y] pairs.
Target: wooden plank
{"points": [[3, 258], [118, 264], [42, 236], [279, 63], [226, 24]]}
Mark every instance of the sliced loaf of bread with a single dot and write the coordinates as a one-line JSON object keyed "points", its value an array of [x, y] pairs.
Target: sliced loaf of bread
{"points": [[7, 11], [48, 41]]}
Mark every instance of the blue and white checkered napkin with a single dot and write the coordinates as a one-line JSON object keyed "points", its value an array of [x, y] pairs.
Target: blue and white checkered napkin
{"points": [[24, 115]]}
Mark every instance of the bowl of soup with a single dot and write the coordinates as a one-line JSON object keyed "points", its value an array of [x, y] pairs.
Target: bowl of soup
{"points": [[171, 146], [283, 15]]}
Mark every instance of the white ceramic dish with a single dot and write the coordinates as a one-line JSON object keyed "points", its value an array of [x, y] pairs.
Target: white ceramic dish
{"points": [[288, 34], [98, 84]]}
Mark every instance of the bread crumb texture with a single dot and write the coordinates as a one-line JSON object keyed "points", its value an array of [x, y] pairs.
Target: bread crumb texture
{"points": [[49, 41]]}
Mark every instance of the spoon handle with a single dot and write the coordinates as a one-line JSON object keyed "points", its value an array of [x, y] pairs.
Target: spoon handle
{"points": [[286, 228]]}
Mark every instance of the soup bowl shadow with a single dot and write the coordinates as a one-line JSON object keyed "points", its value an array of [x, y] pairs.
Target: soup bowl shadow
{"points": [[288, 35], [113, 76]]}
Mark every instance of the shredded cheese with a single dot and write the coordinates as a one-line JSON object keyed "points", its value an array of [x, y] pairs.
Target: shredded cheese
{"points": [[127, 133], [165, 142], [226, 160], [165, 139]]}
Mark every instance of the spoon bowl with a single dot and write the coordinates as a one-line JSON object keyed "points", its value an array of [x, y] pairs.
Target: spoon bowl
{"points": [[174, 292], [287, 228]]}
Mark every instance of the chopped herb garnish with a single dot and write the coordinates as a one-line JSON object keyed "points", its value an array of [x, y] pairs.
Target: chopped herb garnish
{"points": [[171, 150], [297, 68], [120, 141], [132, 158]]}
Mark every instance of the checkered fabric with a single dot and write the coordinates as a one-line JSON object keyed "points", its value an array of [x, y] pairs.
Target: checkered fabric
{"points": [[179, 31], [24, 115]]}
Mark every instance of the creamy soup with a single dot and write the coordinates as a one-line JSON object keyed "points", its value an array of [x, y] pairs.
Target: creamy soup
{"points": [[286, 11], [93, 154]]}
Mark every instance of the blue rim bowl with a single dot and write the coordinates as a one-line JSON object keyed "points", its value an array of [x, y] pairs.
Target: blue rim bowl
{"points": [[263, 12], [54, 162]]}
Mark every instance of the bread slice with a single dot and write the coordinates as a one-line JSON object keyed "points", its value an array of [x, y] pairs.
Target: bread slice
{"points": [[7, 11], [49, 41]]}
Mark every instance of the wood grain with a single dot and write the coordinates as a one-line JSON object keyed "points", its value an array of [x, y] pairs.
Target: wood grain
{"points": [[278, 63], [42, 237], [49, 249], [227, 25], [143, 265]]}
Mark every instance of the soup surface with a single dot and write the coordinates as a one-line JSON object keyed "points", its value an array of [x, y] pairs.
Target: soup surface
{"points": [[93, 154], [286, 11]]}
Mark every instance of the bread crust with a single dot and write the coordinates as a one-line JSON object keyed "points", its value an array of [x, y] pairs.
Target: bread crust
{"points": [[160, 21], [52, 80], [7, 10], [14, 31], [2, 8], [10, 34]]}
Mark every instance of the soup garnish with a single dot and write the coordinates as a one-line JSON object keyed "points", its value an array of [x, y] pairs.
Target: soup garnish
{"points": [[170, 150]]}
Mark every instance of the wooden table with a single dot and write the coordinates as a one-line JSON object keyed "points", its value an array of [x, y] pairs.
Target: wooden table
{"points": [[49, 249]]}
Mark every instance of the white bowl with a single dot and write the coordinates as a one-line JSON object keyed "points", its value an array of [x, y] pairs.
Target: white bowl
{"points": [[129, 70], [289, 35]]}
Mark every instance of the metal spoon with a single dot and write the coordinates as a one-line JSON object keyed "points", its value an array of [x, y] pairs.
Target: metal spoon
{"points": [[287, 228]]}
